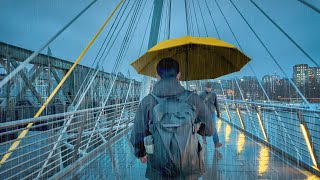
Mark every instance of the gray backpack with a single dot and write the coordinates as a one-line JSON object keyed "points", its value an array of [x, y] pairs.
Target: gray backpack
{"points": [[177, 147]]}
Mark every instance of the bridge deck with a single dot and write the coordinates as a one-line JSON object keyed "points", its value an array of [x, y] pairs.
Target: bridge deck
{"points": [[239, 158]]}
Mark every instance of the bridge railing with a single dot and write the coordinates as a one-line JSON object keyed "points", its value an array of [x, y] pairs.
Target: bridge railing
{"points": [[59, 143], [291, 130]]}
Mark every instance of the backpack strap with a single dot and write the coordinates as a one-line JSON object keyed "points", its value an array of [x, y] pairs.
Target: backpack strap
{"points": [[156, 98], [207, 97], [182, 97], [185, 96]]}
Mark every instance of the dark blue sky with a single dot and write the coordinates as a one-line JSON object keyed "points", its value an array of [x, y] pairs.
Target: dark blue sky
{"points": [[29, 24]]}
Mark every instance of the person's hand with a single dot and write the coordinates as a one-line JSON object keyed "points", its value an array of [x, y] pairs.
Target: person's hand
{"points": [[144, 159], [218, 115]]}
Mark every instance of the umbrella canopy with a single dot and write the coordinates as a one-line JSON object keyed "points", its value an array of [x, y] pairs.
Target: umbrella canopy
{"points": [[199, 58]]}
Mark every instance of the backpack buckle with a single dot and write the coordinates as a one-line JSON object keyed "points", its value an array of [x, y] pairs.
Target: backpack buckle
{"points": [[193, 129]]}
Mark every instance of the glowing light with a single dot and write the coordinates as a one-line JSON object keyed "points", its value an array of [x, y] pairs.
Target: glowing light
{"points": [[263, 160], [312, 177], [304, 132], [227, 113], [228, 131], [238, 112], [219, 123], [240, 142], [262, 128]]}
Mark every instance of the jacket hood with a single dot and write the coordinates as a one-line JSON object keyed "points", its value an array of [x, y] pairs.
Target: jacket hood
{"points": [[168, 87]]}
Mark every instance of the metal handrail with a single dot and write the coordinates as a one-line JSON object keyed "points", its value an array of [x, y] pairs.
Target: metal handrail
{"points": [[303, 147], [49, 117], [272, 105], [28, 160]]}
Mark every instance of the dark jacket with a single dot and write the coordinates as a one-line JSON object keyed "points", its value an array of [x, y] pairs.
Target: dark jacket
{"points": [[164, 88], [211, 101]]}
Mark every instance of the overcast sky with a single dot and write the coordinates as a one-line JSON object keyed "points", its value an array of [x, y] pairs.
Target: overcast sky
{"points": [[29, 24]]}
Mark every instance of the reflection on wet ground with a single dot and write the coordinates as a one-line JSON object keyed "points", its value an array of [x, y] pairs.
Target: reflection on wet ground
{"points": [[239, 158]]}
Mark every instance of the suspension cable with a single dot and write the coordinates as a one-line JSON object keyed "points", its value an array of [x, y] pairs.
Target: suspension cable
{"points": [[69, 121], [114, 40], [135, 28], [263, 89], [114, 78], [215, 27], [286, 34], [169, 16], [161, 23], [272, 57], [204, 24], [24, 132], [187, 20], [195, 14], [35, 54], [106, 53], [165, 23], [145, 31], [89, 84], [310, 6], [120, 57], [191, 19], [86, 81], [235, 37], [126, 39], [227, 23]]}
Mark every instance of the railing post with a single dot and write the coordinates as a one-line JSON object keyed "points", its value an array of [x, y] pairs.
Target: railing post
{"points": [[60, 159], [64, 128], [248, 112], [240, 118], [305, 132], [98, 120], [261, 123], [113, 120], [225, 104], [227, 112], [123, 108], [79, 136], [8, 98]]}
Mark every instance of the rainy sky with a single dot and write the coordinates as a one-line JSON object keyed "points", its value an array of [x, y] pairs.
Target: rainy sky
{"points": [[29, 24]]}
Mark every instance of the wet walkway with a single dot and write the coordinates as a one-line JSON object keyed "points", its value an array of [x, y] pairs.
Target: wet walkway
{"points": [[239, 158]]}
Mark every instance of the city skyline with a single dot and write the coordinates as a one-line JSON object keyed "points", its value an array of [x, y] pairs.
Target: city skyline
{"points": [[262, 76], [306, 79]]}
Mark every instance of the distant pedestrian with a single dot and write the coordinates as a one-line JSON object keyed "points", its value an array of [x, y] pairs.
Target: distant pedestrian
{"points": [[210, 99]]}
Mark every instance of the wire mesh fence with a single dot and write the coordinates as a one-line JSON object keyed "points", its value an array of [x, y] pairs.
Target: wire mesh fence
{"points": [[57, 141], [294, 131]]}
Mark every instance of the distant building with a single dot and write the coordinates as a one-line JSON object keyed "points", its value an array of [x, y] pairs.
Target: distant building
{"points": [[270, 79], [271, 84], [300, 74], [317, 72], [250, 87], [228, 88], [307, 79], [286, 90]]}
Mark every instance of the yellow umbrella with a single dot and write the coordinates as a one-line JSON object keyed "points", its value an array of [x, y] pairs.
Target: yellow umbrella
{"points": [[199, 58]]}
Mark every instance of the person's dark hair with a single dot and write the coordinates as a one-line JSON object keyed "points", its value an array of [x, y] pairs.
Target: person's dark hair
{"points": [[168, 68]]}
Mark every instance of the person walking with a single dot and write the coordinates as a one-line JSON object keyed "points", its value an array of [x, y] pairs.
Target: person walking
{"points": [[210, 99], [166, 126]]}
